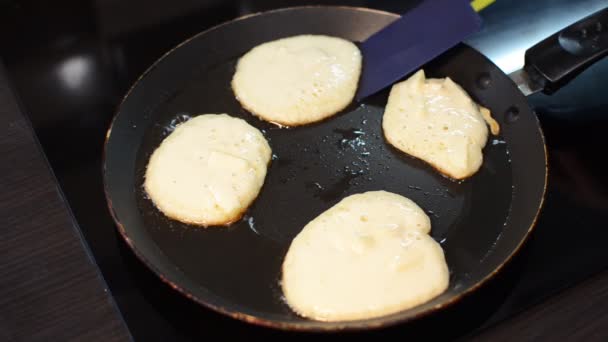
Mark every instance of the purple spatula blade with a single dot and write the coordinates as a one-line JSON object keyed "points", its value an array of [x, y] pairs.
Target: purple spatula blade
{"points": [[417, 37]]}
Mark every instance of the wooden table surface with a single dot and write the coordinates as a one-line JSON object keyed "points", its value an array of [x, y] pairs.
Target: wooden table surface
{"points": [[51, 289]]}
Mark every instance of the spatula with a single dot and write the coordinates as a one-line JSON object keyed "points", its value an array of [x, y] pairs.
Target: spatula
{"points": [[409, 42]]}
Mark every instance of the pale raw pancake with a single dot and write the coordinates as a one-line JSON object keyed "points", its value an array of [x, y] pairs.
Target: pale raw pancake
{"points": [[369, 255], [208, 171], [298, 80], [435, 120]]}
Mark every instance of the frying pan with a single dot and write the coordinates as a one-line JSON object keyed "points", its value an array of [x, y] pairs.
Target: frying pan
{"points": [[480, 222]]}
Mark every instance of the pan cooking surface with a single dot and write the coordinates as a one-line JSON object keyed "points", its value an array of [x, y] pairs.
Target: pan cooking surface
{"points": [[480, 222], [313, 168]]}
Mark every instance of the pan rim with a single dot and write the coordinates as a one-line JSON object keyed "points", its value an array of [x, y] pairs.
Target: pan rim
{"points": [[319, 326]]}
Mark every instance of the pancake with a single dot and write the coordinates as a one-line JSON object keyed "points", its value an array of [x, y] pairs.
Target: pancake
{"points": [[367, 256], [208, 170], [298, 80], [435, 120]]}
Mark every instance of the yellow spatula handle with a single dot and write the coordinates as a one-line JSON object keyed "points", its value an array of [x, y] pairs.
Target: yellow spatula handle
{"points": [[478, 5]]}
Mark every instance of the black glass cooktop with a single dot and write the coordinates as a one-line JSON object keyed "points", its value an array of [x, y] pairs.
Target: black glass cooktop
{"points": [[72, 62]]}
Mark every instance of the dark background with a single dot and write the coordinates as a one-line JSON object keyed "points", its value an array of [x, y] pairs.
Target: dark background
{"points": [[71, 62]]}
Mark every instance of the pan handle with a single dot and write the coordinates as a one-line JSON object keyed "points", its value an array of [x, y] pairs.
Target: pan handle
{"points": [[555, 61]]}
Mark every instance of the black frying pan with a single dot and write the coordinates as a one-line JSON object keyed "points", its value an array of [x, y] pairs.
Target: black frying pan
{"points": [[481, 222]]}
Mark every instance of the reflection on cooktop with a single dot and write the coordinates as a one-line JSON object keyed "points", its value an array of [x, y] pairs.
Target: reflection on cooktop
{"points": [[72, 63]]}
